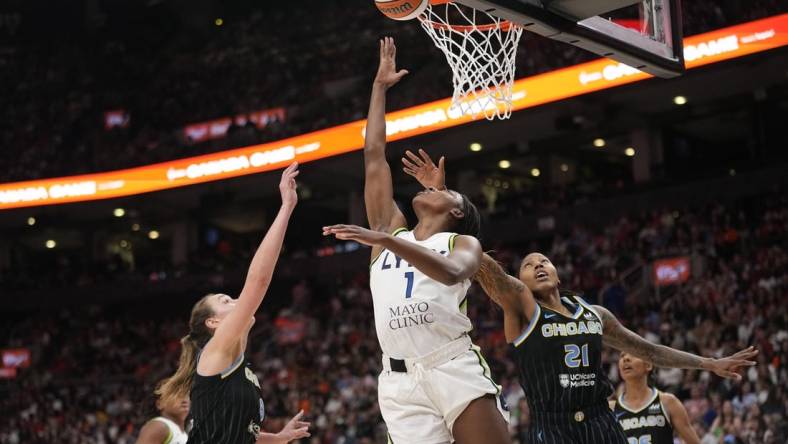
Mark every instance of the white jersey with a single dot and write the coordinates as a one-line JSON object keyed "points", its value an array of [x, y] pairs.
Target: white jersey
{"points": [[415, 314], [176, 435]]}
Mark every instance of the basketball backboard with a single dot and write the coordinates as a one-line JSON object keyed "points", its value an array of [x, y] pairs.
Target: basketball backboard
{"points": [[644, 34]]}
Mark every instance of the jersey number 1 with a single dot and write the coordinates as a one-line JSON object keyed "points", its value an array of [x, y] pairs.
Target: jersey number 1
{"points": [[409, 289]]}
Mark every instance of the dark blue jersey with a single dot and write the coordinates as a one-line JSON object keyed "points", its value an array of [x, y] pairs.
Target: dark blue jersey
{"points": [[650, 424], [560, 359]]}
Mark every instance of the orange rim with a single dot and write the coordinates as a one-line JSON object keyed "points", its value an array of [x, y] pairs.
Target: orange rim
{"points": [[505, 26]]}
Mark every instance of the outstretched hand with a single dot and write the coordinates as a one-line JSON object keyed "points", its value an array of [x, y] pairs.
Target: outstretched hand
{"points": [[294, 429], [355, 233], [730, 366], [388, 75], [288, 186], [423, 169]]}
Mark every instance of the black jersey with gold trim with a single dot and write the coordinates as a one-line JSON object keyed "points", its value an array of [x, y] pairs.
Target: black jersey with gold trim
{"points": [[226, 408], [650, 424]]}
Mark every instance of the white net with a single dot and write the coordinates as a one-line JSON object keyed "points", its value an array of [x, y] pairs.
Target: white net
{"points": [[481, 51]]}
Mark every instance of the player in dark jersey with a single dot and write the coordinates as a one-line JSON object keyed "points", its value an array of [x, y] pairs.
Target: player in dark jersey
{"points": [[226, 405], [647, 415], [557, 339], [557, 343]]}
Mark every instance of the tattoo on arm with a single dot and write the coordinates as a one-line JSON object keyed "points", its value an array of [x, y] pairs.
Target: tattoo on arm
{"points": [[624, 339], [503, 289]]}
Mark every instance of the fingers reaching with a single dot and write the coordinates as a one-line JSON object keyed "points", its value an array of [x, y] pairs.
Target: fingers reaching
{"points": [[747, 353], [298, 416], [729, 375], [416, 160], [290, 172], [426, 158], [301, 433], [409, 165]]}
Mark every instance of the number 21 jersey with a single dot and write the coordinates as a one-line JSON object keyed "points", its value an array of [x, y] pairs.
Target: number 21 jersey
{"points": [[560, 359]]}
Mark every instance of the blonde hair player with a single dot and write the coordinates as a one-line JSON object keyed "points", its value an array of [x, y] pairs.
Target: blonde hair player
{"points": [[646, 414], [557, 340], [435, 386], [226, 405], [169, 426]]}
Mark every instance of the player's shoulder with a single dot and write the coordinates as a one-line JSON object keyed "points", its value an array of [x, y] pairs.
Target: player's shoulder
{"points": [[464, 241], [155, 429], [670, 402], [668, 397]]}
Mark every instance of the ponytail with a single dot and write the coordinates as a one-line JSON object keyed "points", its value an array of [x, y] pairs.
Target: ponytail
{"points": [[179, 385]]}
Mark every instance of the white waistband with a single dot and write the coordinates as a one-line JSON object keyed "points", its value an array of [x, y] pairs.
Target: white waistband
{"points": [[443, 354]]}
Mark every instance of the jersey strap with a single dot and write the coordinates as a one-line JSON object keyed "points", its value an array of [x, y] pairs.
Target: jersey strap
{"points": [[394, 233], [588, 307], [531, 325], [233, 367], [662, 406], [171, 426]]}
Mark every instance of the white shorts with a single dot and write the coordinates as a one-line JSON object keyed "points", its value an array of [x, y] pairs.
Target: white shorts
{"points": [[420, 406]]}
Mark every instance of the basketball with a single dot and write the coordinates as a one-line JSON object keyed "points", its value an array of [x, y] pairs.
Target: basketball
{"points": [[401, 9]]}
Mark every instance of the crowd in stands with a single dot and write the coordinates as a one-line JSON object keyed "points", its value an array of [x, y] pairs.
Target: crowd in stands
{"points": [[164, 78], [94, 368]]}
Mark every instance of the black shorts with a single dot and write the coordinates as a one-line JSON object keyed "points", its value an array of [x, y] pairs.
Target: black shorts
{"points": [[594, 425]]}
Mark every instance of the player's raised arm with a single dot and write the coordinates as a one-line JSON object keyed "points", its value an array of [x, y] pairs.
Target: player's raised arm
{"points": [[514, 297], [237, 324], [619, 337], [382, 212]]}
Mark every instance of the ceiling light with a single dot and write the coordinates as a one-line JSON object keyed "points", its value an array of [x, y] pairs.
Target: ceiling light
{"points": [[476, 147], [535, 172], [119, 212], [680, 100], [504, 164], [50, 244], [629, 151], [599, 142], [153, 234]]}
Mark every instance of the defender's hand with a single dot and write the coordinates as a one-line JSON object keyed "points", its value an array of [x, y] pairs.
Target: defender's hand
{"points": [[423, 169]]}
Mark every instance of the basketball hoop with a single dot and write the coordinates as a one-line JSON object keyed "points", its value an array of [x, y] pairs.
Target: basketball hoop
{"points": [[481, 51]]}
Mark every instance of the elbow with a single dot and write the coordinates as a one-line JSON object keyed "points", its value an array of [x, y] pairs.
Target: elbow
{"points": [[452, 277], [374, 147]]}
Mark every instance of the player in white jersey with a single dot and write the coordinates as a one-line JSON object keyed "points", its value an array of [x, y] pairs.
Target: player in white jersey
{"points": [[435, 386], [168, 428]]}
